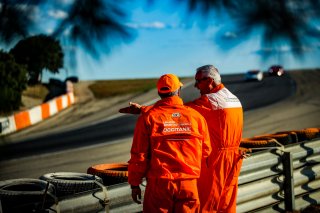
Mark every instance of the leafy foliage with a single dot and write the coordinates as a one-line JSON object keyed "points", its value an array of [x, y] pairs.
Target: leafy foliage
{"points": [[15, 19], [291, 22], [13, 81], [38, 53], [93, 23], [90, 24]]}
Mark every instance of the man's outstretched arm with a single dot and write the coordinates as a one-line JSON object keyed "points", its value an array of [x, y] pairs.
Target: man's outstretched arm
{"points": [[133, 108]]}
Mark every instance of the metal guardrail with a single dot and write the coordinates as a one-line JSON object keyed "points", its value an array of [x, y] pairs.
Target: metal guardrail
{"points": [[262, 178], [263, 184]]}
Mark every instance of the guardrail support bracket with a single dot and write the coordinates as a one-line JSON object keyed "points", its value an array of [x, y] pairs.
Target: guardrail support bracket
{"points": [[288, 182]]}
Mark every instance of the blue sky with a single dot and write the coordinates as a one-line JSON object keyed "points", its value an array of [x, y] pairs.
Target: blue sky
{"points": [[168, 40]]}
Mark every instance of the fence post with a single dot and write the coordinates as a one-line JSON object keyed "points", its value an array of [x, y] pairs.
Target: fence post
{"points": [[289, 199]]}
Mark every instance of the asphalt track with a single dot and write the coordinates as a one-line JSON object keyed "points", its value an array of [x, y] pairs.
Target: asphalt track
{"points": [[252, 94]]}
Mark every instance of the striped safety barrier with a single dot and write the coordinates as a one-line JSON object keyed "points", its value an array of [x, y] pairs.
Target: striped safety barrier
{"points": [[36, 114]]}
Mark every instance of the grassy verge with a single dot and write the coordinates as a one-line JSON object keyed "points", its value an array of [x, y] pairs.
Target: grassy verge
{"points": [[109, 88], [102, 88], [38, 91]]}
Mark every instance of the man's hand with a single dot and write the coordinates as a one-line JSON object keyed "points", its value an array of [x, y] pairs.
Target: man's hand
{"points": [[133, 108], [245, 152], [135, 194]]}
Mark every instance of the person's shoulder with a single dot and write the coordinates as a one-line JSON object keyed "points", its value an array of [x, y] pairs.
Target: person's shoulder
{"points": [[145, 109], [199, 102], [193, 111], [151, 110]]}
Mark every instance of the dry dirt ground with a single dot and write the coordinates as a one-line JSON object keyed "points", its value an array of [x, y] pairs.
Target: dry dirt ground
{"points": [[86, 109]]}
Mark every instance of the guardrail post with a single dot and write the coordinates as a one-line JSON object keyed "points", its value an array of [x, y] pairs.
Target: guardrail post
{"points": [[288, 182]]}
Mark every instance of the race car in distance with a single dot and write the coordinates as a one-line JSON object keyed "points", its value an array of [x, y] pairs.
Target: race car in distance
{"points": [[254, 75], [276, 70]]}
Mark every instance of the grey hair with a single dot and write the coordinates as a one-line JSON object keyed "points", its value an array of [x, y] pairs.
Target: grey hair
{"points": [[169, 94], [211, 72]]}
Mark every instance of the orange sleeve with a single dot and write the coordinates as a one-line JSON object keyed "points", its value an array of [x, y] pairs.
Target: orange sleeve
{"points": [[145, 109], [140, 156]]}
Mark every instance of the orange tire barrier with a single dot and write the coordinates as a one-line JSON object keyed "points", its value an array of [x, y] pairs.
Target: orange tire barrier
{"points": [[310, 133], [282, 138], [292, 134], [110, 173], [34, 115], [305, 134], [256, 143]]}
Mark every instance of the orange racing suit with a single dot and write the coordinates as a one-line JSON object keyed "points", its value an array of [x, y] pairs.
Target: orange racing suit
{"points": [[170, 143], [218, 182]]}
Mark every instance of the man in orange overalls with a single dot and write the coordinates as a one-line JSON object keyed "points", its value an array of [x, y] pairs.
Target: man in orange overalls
{"points": [[218, 183], [170, 146]]}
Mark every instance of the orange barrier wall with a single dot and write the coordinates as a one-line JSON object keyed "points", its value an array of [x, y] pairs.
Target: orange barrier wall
{"points": [[36, 114]]}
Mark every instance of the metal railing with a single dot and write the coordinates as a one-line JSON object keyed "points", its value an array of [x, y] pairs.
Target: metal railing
{"points": [[262, 185], [265, 185]]}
